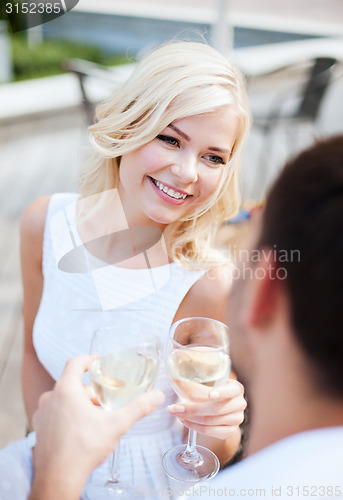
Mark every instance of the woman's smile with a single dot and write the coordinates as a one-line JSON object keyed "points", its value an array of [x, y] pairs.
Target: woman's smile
{"points": [[168, 193]]}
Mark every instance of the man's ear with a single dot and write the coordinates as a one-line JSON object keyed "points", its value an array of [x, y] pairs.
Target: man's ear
{"points": [[263, 297]]}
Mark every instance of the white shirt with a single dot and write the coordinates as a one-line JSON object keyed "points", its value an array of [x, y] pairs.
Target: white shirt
{"points": [[306, 465]]}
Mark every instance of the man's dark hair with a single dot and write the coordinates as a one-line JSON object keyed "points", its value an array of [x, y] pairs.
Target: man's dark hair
{"points": [[304, 211]]}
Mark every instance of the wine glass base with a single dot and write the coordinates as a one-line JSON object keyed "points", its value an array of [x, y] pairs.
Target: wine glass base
{"points": [[188, 471], [111, 490]]}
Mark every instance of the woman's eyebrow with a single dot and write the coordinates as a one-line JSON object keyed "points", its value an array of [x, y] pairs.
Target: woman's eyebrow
{"points": [[220, 150], [182, 134], [188, 139]]}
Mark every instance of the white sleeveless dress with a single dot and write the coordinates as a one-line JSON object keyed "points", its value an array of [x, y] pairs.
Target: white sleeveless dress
{"points": [[73, 305]]}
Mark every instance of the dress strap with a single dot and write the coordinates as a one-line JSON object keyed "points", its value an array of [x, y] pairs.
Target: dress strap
{"points": [[57, 204]]}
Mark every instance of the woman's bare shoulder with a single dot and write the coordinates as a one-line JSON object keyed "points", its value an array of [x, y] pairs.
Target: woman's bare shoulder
{"points": [[213, 286], [209, 295], [32, 222]]}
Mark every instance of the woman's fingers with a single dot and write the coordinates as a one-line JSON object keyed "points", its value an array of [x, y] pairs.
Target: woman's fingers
{"points": [[219, 415], [235, 418], [221, 401], [219, 431], [230, 390], [209, 408]]}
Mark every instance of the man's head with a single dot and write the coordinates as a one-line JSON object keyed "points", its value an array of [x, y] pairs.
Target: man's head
{"points": [[297, 270]]}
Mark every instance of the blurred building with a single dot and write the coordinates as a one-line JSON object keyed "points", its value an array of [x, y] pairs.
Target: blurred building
{"points": [[128, 26]]}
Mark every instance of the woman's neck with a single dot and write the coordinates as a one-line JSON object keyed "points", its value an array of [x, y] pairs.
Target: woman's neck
{"points": [[113, 236]]}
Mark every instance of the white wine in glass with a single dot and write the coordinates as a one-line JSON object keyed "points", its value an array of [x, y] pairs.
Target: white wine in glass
{"points": [[125, 366], [119, 377], [197, 359]]}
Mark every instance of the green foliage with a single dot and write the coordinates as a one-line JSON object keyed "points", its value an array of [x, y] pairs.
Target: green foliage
{"points": [[17, 18], [47, 58]]}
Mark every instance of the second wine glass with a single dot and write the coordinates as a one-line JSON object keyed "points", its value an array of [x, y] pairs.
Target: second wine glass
{"points": [[197, 358], [126, 365]]}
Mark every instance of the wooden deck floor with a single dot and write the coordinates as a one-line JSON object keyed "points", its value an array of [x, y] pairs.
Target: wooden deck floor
{"points": [[36, 158]]}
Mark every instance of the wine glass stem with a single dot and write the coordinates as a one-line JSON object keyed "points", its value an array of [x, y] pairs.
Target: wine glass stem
{"points": [[191, 453], [114, 476]]}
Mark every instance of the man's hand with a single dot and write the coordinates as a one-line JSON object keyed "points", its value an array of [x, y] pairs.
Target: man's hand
{"points": [[74, 436]]}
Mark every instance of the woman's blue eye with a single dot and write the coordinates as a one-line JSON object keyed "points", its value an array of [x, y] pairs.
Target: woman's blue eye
{"points": [[168, 139], [215, 159]]}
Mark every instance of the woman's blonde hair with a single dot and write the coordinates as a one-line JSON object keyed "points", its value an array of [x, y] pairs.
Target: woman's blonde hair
{"points": [[176, 80]]}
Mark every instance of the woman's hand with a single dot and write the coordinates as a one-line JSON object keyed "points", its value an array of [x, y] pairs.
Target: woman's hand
{"points": [[218, 412]]}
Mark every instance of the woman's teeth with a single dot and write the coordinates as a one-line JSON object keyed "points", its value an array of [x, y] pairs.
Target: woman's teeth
{"points": [[168, 191]]}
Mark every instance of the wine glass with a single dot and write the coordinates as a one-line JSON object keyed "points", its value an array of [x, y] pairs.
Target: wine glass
{"points": [[197, 358], [126, 365]]}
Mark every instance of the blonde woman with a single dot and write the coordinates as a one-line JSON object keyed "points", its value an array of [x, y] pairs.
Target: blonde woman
{"points": [[135, 246]]}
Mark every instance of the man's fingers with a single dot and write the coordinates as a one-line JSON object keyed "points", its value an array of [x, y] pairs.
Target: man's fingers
{"points": [[139, 407], [90, 392], [76, 367]]}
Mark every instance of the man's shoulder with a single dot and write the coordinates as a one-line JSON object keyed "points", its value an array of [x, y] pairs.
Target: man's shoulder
{"points": [[292, 467]]}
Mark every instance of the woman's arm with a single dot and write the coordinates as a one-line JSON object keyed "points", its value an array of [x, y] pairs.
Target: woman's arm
{"points": [[35, 379], [217, 420]]}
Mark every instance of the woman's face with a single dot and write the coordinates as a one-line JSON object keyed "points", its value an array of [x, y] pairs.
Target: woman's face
{"points": [[177, 171]]}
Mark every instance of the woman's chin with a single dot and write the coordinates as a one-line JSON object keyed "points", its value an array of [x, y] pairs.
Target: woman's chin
{"points": [[163, 221], [161, 217]]}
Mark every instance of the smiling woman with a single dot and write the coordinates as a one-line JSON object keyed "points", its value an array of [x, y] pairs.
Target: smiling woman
{"points": [[178, 81], [134, 248]]}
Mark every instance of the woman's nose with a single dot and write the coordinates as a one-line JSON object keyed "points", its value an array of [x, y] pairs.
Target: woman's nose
{"points": [[186, 169]]}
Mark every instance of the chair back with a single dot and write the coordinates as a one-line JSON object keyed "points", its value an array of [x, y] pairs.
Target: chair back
{"points": [[316, 86]]}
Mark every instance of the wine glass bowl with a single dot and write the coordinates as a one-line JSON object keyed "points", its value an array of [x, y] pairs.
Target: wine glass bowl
{"points": [[125, 365], [197, 359], [125, 373]]}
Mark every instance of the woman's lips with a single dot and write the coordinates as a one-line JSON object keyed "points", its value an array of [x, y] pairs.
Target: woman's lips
{"points": [[170, 198]]}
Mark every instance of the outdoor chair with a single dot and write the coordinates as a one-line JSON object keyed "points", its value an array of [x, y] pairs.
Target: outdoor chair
{"points": [[309, 98], [294, 106], [85, 70]]}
